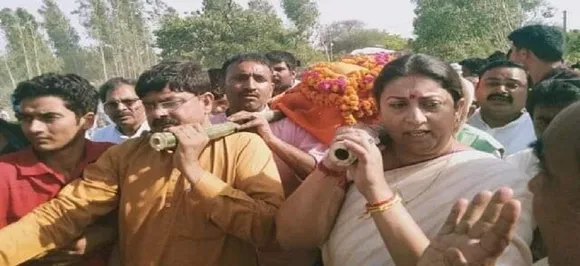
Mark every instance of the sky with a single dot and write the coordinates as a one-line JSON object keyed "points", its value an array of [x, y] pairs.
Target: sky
{"points": [[394, 16]]}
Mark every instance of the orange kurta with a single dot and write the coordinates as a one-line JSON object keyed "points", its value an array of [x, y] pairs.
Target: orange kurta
{"points": [[163, 220]]}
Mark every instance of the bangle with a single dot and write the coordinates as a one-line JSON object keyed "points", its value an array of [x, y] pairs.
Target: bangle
{"points": [[377, 204], [381, 206]]}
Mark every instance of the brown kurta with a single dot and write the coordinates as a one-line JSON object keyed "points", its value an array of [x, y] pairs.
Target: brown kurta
{"points": [[163, 220]]}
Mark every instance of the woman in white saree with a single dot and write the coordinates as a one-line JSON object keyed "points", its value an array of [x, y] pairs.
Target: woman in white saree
{"points": [[420, 99]]}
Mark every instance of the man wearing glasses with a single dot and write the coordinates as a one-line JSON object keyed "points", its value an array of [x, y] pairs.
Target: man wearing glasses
{"points": [[124, 108], [204, 203]]}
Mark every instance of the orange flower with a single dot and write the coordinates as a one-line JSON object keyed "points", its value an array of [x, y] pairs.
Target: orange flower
{"points": [[349, 93]]}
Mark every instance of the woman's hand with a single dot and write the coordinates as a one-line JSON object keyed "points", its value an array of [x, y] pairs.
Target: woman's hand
{"points": [[367, 171], [475, 235]]}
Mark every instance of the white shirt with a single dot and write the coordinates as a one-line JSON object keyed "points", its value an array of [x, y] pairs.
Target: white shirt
{"points": [[542, 262], [526, 161], [515, 136], [112, 134]]}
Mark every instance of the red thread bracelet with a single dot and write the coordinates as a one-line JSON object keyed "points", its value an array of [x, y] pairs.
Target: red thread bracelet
{"points": [[377, 204]]}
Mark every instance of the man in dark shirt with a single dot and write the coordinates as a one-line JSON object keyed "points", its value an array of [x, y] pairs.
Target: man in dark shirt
{"points": [[11, 137], [540, 49]]}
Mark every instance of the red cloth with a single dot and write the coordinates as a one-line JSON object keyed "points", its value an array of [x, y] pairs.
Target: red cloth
{"points": [[26, 182]]}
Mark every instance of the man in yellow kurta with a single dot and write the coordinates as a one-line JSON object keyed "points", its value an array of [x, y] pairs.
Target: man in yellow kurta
{"points": [[204, 203]]}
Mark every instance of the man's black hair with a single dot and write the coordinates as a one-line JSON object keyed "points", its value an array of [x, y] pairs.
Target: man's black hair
{"points": [[500, 64], [178, 76], [216, 79], [475, 65], [506, 64], [497, 56], [77, 92], [277, 57], [249, 57], [546, 42], [112, 84], [554, 93]]}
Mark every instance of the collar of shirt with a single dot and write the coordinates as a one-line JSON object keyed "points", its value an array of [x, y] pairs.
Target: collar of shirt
{"points": [[222, 117], [479, 119], [560, 73], [29, 165], [142, 128]]}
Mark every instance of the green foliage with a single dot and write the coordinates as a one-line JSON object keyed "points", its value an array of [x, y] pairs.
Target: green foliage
{"points": [[224, 28], [63, 37], [573, 46], [303, 14], [119, 32], [348, 35], [457, 29], [27, 53]]}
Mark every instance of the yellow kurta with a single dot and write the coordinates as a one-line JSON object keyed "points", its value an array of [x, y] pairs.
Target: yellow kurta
{"points": [[163, 220]]}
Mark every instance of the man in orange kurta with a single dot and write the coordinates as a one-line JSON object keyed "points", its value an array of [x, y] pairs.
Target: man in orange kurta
{"points": [[205, 203]]}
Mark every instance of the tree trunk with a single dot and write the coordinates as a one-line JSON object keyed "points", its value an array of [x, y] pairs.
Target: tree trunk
{"points": [[24, 52], [37, 62], [9, 72], [103, 62], [148, 56], [139, 60]]}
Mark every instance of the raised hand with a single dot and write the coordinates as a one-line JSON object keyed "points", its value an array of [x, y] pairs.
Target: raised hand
{"points": [[475, 233]]}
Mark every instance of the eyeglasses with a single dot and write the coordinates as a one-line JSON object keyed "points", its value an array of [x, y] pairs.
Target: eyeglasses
{"points": [[167, 105], [125, 102]]}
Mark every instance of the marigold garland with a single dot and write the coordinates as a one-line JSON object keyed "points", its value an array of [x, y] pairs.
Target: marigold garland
{"points": [[351, 93]]}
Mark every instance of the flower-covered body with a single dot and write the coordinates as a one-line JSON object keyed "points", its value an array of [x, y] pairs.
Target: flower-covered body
{"points": [[334, 94], [346, 85]]}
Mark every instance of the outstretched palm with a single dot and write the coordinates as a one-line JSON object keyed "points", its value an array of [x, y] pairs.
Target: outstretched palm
{"points": [[477, 234]]}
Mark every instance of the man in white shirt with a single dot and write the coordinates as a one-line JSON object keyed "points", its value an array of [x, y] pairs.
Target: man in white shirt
{"points": [[501, 95], [124, 108]]}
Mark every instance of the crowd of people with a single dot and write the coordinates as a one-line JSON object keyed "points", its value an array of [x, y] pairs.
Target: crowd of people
{"points": [[477, 164]]}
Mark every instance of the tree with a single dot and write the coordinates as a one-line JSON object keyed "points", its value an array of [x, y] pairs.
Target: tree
{"points": [[455, 30], [573, 46], [27, 52], [121, 31], [349, 35], [304, 15], [223, 28], [262, 6], [63, 37], [94, 15]]}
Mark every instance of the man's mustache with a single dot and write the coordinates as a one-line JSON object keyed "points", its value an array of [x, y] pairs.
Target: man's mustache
{"points": [[501, 97], [164, 121]]}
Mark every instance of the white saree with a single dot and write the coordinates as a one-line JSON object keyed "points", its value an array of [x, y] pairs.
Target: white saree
{"points": [[429, 190]]}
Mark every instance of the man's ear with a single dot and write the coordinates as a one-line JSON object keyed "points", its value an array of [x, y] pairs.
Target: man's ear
{"points": [[88, 120], [207, 100]]}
